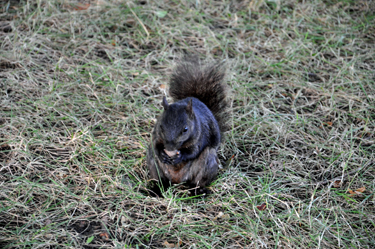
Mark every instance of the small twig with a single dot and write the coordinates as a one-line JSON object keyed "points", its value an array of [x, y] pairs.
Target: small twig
{"points": [[139, 20]]}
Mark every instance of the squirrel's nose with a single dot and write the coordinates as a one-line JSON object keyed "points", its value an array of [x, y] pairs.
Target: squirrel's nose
{"points": [[169, 145]]}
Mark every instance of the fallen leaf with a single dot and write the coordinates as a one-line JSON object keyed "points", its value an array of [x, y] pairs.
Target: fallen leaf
{"points": [[162, 86], [221, 215], [225, 216], [262, 207], [337, 184], [104, 236], [218, 216], [357, 192], [161, 13], [81, 6], [360, 190], [168, 245], [89, 239], [227, 163], [130, 21]]}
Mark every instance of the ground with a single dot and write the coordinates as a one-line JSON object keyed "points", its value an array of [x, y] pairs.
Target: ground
{"points": [[81, 85]]}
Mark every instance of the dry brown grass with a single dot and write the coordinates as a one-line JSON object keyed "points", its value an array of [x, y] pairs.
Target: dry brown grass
{"points": [[80, 88]]}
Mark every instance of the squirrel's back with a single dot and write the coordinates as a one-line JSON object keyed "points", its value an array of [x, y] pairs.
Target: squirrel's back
{"points": [[191, 78]]}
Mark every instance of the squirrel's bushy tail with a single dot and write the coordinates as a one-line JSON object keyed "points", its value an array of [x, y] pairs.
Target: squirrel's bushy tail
{"points": [[191, 78]]}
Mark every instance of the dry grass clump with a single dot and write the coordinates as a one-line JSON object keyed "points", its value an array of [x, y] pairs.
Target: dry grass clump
{"points": [[80, 88]]}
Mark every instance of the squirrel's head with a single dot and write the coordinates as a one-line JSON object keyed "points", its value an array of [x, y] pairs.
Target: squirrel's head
{"points": [[177, 124]]}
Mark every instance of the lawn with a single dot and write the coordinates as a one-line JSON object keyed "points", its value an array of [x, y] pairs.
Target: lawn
{"points": [[81, 84]]}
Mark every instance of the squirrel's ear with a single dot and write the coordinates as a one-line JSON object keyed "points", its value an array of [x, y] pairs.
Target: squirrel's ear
{"points": [[165, 103], [189, 108]]}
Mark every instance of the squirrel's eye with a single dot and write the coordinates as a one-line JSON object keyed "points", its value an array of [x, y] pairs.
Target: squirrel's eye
{"points": [[186, 129]]}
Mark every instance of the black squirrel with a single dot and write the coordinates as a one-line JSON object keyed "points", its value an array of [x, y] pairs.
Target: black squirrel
{"points": [[187, 135]]}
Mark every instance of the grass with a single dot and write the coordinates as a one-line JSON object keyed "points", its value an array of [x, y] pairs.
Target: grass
{"points": [[81, 86]]}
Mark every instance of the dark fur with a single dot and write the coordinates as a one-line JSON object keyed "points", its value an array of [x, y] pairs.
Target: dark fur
{"points": [[189, 125], [204, 82]]}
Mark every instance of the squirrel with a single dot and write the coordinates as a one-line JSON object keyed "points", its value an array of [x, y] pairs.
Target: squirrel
{"points": [[188, 133]]}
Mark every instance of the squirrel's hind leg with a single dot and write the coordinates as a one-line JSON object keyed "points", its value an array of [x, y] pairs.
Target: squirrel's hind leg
{"points": [[206, 169]]}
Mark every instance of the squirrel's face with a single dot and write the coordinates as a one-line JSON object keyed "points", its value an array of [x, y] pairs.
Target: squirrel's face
{"points": [[177, 125]]}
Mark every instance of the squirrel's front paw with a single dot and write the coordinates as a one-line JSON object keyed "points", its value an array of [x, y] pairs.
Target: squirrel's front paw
{"points": [[177, 160], [165, 158]]}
